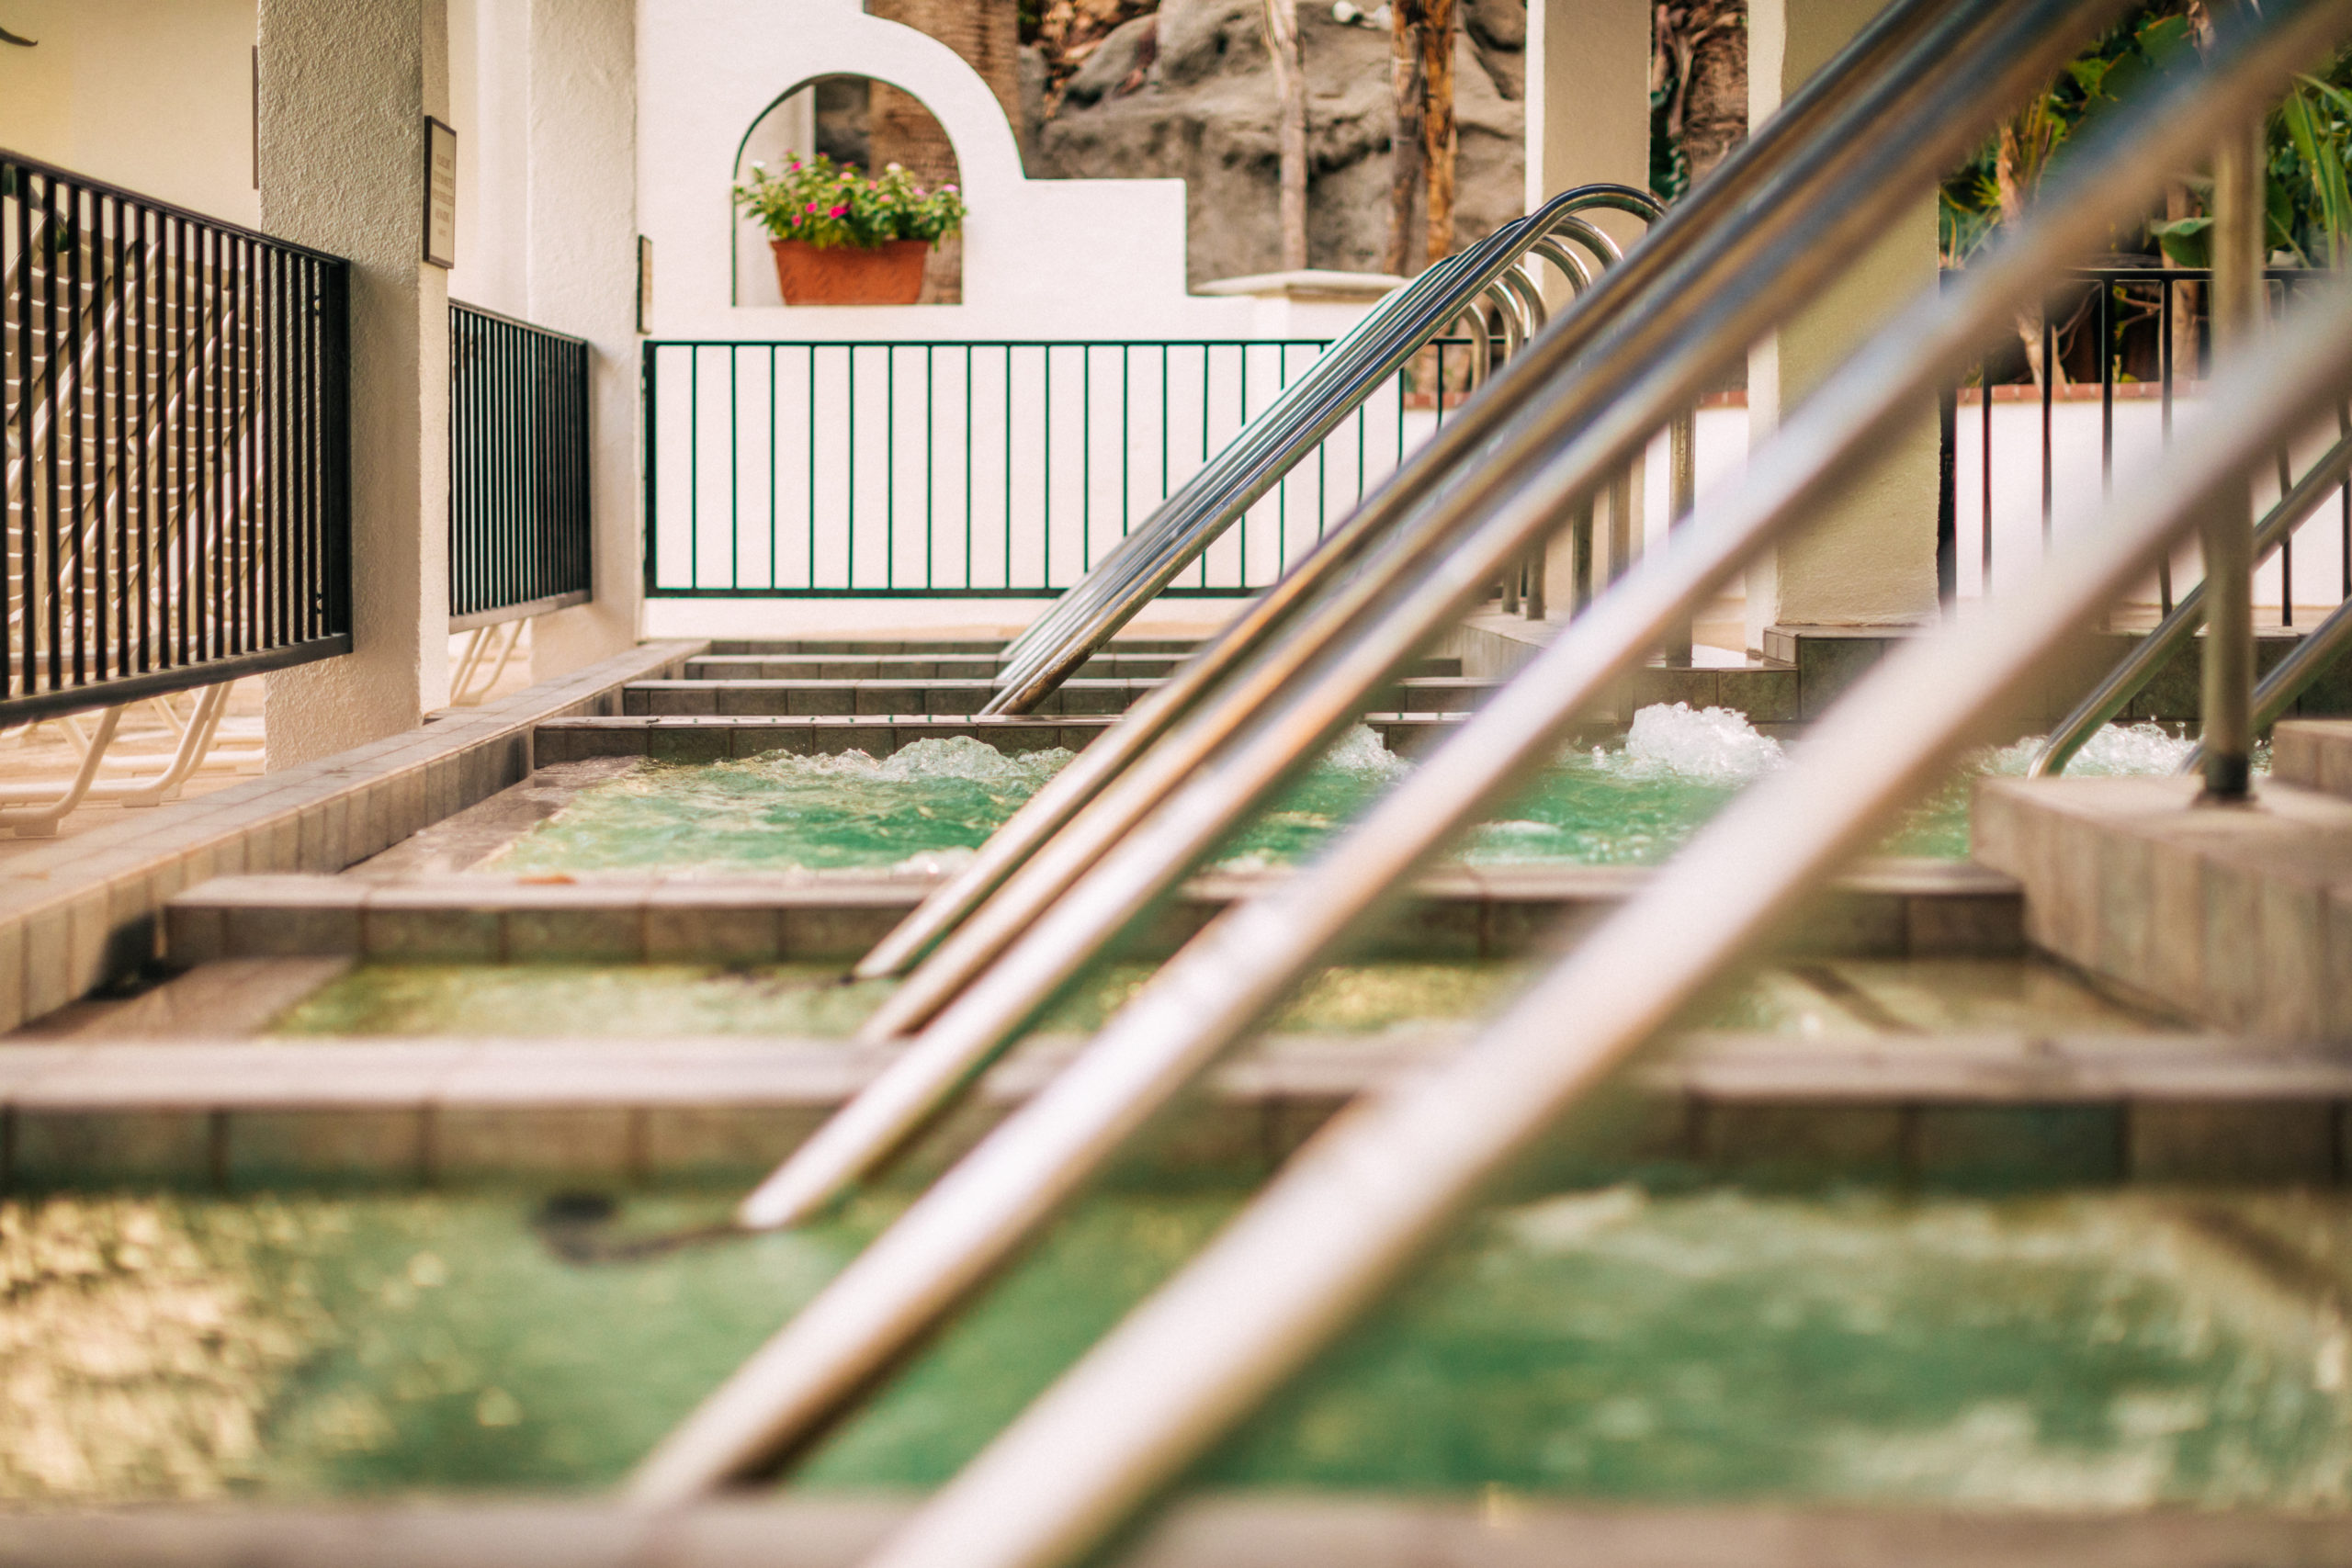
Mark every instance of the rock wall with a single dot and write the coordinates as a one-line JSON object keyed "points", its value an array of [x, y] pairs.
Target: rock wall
{"points": [[1188, 93]]}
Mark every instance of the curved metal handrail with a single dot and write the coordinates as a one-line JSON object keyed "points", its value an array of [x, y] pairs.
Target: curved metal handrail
{"points": [[1529, 473], [1332, 388], [1369, 336], [1347, 1218], [2136, 669], [1266, 620], [1384, 1186]]}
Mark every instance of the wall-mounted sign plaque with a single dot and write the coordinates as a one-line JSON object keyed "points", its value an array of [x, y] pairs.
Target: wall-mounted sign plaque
{"points": [[440, 193]]}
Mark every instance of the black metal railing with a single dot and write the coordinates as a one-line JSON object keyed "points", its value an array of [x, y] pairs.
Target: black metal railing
{"points": [[982, 469], [518, 469], [2135, 342], [176, 398]]}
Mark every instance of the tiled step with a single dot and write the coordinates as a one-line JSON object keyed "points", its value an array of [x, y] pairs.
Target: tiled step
{"points": [[711, 738], [801, 696], [1203, 1528], [1442, 694], [1887, 908], [2023, 1108], [2313, 753], [953, 667], [916, 647]]}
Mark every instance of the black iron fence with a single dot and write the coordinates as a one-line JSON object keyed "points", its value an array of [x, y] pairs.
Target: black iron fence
{"points": [[2095, 382], [175, 400], [982, 469], [518, 469]]}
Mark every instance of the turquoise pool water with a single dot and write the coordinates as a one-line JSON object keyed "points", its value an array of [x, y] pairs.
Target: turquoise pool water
{"points": [[2069, 1351], [1843, 998], [649, 1000], [929, 805]]}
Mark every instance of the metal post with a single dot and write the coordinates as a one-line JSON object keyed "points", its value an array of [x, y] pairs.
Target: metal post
{"points": [[1681, 495], [2227, 530]]}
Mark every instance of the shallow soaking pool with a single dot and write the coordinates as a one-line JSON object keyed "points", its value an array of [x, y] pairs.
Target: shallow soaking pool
{"points": [[2065, 1351], [928, 805], [1851, 997]]}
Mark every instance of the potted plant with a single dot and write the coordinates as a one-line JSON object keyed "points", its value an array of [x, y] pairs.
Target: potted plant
{"points": [[842, 238]]}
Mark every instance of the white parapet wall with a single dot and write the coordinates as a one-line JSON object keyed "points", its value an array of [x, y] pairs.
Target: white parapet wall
{"points": [[887, 468]]}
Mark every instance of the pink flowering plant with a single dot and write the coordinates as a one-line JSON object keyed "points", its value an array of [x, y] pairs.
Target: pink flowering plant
{"points": [[830, 204]]}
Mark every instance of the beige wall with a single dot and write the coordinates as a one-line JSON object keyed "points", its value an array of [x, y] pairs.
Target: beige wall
{"points": [[1587, 100], [1587, 121], [154, 95], [1870, 559]]}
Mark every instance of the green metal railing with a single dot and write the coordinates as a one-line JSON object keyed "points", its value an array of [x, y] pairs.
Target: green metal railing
{"points": [[1000, 470]]}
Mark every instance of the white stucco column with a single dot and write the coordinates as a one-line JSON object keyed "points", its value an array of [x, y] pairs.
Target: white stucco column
{"points": [[1587, 121], [1869, 560], [1588, 100], [581, 271], [345, 90]]}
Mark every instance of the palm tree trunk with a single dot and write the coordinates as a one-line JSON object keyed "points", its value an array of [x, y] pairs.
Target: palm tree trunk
{"points": [[1290, 127], [1439, 138], [1405, 160]]}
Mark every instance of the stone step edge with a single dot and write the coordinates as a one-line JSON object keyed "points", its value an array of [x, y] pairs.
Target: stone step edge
{"points": [[2012, 1068], [1205, 1530], [2315, 754], [2138, 1109], [1893, 908]]}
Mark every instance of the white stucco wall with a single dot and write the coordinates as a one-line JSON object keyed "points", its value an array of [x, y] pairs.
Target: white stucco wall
{"points": [[345, 90], [1061, 258], [154, 95], [1869, 558]]}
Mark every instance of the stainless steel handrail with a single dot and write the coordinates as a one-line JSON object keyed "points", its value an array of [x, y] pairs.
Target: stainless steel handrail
{"points": [[2319, 648], [1719, 203], [967, 1225], [1057, 913], [1131, 846], [2137, 668], [1398, 312], [1333, 387], [1353, 1212], [2311, 658], [1268, 617], [1409, 311]]}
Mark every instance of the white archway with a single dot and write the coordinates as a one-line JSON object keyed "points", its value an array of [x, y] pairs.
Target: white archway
{"points": [[1065, 258]]}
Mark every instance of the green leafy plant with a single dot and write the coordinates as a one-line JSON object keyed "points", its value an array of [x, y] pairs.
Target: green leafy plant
{"points": [[830, 205], [2309, 199]]}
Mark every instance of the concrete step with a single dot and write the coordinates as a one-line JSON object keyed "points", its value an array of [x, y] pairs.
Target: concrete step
{"points": [[2313, 754], [1203, 1528], [716, 738], [2239, 917], [1890, 909], [861, 648], [937, 695], [2023, 1110], [953, 667]]}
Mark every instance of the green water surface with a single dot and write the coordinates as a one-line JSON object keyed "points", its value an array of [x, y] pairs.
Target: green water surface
{"points": [[2072, 1351], [927, 806]]}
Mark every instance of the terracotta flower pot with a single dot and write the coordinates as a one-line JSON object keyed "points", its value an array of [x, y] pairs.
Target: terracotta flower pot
{"points": [[890, 274]]}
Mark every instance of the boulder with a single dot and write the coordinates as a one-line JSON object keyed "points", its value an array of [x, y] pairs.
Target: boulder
{"points": [[1203, 111]]}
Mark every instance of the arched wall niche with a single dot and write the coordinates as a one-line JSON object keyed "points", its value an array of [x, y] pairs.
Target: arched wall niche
{"points": [[1072, 258], [856, 120]]}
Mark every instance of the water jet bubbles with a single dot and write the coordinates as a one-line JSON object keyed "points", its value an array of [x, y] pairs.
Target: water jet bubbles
{"points": [[1716, 746]]}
